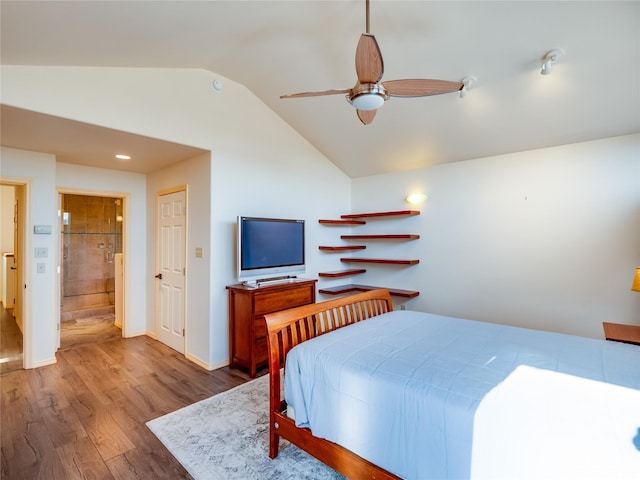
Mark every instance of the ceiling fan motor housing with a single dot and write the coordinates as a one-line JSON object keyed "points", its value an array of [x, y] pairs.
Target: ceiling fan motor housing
{"points": [[368, 96]]}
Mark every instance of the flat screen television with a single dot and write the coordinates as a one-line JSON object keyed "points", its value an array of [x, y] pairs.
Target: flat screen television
{"points": [[270, 247]]}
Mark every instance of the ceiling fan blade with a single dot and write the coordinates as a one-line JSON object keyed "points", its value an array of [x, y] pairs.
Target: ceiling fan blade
{"points": [[366, 116], [420, 87], [369, 66], [316, 94]]}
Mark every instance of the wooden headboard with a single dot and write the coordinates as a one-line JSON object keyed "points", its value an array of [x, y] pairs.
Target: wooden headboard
{"points": [[288, 328]]}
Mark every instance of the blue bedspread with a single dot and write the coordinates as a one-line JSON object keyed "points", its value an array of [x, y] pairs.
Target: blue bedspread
{"points": [[404, 395]]}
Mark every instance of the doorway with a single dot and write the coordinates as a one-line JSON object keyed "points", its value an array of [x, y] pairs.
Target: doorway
{"points": [[12, 202], [91, 231]]}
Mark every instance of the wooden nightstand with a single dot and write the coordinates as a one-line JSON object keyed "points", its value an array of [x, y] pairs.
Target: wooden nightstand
{"points": [[622, 333]]}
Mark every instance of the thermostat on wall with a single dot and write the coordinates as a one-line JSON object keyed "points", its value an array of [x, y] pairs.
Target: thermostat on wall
{"points": [[42, 229]]}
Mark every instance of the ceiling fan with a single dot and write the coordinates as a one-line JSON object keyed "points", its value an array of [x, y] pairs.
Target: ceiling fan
{"points": [[369, 93]]}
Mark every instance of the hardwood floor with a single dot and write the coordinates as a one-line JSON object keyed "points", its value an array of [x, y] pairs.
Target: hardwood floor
{"points": [[85, 416], [10, 342], [72, 333], [86, 330]]}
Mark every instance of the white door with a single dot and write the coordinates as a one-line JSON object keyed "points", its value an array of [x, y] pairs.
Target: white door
{"points": [[171, 273]]}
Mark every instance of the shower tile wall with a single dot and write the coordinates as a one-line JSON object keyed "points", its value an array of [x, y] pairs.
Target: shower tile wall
{"points": [[91, 235]]}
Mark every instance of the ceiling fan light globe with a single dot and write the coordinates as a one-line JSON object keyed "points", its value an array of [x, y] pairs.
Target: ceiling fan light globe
{"points": [[368, 101]]}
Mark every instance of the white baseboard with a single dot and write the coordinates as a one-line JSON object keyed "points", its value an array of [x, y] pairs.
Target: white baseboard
{"points": [[193, 358], [134, 334], [217, 365], [44, 363], [205, 365]]}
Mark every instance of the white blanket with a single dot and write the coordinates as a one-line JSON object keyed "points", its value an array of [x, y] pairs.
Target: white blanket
{"points": [[402, 390], [540, 424]]}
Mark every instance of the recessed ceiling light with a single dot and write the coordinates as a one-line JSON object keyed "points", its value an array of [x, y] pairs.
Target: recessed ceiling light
{"points": [[217, 85], [123, 157]]}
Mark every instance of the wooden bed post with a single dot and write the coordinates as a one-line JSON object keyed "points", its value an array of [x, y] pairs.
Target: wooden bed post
{"points": [[274, 394]]}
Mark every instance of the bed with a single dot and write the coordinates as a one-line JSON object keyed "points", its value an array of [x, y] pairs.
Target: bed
{"points": [[409, 394]]}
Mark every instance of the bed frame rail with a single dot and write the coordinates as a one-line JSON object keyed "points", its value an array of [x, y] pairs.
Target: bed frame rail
{"points": [[288, 328]]}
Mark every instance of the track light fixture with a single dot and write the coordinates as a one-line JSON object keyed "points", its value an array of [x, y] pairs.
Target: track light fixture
{"points": [[549, 60], [467, 82]]}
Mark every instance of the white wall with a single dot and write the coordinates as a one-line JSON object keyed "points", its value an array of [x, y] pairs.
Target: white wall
{"points": [[259, 165], [37, 171], [131, 187], [195, 174], [291, 180], [547, 239]]}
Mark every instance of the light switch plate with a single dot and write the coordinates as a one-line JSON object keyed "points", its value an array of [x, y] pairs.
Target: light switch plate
{"points": [[42, 229], [41, 252]]}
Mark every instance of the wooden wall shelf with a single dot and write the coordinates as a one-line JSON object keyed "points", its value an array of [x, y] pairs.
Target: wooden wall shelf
{"points": [[342, 222], [381, 214], [355, 219], [342, 273], [341, 289], [393, 236], [388, 261]]}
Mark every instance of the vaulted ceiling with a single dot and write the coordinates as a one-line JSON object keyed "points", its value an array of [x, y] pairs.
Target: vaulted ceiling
{"points": [[280, 47]]}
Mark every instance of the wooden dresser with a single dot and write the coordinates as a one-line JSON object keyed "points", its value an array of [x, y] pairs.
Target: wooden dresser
{"points": [[247, 307]]}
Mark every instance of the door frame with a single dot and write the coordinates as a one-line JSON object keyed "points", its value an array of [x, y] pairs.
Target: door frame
{"points": [[160, 193], [126, 213]]}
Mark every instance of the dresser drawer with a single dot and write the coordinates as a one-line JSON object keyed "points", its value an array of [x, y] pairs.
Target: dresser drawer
{"points": [[260, 328], [281, 300], [261, 351]]}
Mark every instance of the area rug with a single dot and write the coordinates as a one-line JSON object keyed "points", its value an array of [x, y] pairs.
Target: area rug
{"points": [[226, 437]]}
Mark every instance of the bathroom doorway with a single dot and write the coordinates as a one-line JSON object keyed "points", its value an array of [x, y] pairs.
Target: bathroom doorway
{"points": [[91, 230]]}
